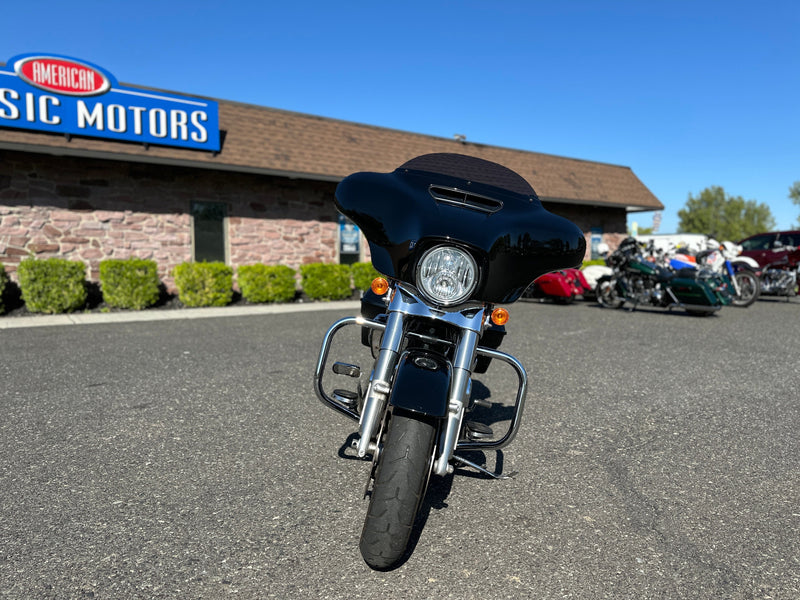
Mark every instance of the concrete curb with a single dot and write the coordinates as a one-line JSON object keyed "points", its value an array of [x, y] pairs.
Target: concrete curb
{"points": [[171, 315]]}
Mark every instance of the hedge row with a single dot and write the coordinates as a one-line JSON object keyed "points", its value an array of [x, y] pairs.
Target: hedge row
{"points": [[57, 285], [3, 282]]}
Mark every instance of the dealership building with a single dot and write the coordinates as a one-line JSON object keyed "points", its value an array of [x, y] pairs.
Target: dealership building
{"points": [[91, 169]]}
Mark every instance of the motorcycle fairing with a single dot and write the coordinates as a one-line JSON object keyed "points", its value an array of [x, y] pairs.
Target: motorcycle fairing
{"points": [[421, 383], [451, 198]]}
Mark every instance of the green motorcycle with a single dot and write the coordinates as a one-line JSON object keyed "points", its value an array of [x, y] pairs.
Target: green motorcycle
{"points": [[638, 281]]}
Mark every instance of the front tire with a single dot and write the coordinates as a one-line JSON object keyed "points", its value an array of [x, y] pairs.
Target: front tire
{"points": [[749, 288], [606, 292], [400, 484]]}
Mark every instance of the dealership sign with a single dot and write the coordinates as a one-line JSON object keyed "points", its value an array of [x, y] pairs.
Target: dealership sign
{"points": [[58, 94]]}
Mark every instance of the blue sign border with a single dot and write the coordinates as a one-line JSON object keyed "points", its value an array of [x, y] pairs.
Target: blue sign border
{"points": [[121, 113]]}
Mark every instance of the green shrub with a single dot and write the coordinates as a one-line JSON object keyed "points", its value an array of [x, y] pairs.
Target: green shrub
{"points": [[3, 282], [363, 274], [325, 281], [262, 283], [53, 285], [131, 283], [595, 261], [204, 284]]}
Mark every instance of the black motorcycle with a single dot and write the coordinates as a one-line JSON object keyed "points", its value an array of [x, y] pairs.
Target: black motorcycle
{"points": [[455, 236], [638, 281]]}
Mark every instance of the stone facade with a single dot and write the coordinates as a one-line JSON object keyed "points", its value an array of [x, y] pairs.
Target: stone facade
{"points": [[90, 210]]}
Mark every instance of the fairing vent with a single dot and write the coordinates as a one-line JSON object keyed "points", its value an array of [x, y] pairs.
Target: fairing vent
{"points": [[456, 197]]}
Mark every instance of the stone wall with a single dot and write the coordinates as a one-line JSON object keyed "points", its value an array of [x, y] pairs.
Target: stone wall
{"points": [[90, 210]]}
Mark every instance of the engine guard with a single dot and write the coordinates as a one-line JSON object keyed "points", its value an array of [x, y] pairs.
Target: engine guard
{"points": [[482, 351]]}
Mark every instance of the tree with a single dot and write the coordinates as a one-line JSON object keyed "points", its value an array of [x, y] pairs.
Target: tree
{"points": [[641, 231], [724, 217], [794, 194]]}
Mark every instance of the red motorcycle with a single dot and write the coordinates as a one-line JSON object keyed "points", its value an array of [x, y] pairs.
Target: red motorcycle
{"points": [[560, 286]]}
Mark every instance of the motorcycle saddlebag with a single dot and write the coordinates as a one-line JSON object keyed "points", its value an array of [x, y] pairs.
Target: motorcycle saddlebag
{"points": [[555, 284], [690, 291]]}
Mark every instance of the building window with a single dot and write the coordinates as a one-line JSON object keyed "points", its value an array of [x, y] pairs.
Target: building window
{"points": [[209, 231], [597, 238], [349, 241]]}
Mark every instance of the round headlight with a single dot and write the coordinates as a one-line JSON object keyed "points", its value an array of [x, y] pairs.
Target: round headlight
{"points": [[447, 275]]}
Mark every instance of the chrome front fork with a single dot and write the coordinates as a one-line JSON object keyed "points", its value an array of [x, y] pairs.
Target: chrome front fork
{"points": [[456, 402], [469, 322], [380, 386]]}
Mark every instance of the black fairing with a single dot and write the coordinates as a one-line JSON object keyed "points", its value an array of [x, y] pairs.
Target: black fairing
{"points": [[480, 205]]}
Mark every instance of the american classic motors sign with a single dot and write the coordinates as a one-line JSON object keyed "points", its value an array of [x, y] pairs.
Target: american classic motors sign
{"points": [[58, 94]]}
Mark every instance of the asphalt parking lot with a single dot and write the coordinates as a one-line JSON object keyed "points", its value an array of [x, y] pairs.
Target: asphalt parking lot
{"points": [[181, 458]]}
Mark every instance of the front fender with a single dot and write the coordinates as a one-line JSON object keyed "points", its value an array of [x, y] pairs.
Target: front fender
{"points": [[744, 262], [421, 383]]}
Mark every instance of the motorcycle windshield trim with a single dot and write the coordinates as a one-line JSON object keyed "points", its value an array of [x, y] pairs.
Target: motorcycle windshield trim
{"points": [[513, 243]]}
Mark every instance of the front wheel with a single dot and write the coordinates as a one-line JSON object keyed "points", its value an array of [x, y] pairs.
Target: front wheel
{"points": [[606, 292], [749, 288], [400, 482]]}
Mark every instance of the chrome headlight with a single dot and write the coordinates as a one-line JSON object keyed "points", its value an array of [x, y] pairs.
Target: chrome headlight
{"points": [[447, 275]]}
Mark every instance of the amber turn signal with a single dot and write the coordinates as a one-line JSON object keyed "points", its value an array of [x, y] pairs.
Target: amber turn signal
{"points": [[379, 286], [500, 316]]}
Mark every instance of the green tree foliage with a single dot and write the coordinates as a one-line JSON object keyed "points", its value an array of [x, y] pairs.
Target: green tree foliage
{"points": [[794, 194], [724, 217]]}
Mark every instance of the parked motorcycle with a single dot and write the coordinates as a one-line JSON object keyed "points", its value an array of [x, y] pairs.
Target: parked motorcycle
{"points": [[562, 287], [724, 259], [636, 280], [454, 236], [780, 278]]}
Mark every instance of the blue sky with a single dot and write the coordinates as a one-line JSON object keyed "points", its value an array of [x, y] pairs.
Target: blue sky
{"points": [[688, 94]]}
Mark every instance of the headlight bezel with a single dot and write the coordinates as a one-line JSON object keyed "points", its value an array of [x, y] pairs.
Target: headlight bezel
{"points": [[423, 281]]}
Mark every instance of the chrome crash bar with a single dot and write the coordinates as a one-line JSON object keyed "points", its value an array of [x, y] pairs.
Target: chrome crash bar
{"points": [[463, 444]]}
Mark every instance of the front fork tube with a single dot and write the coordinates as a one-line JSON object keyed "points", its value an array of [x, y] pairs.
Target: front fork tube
{"points": [[732, 274], [379, 388], [378, 391], [459, 387]]}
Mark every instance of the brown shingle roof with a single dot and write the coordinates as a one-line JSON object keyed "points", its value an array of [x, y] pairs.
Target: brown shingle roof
{"points": [[266, 140]]}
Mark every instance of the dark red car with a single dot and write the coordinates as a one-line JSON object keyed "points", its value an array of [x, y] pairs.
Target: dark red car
{"points": [[772, 247]]}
